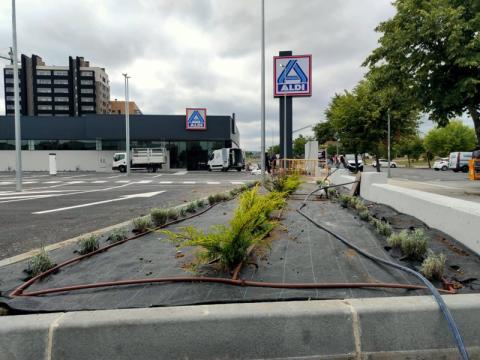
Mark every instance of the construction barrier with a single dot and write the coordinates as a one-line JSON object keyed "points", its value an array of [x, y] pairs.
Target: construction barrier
{"points": [[474, 169]]}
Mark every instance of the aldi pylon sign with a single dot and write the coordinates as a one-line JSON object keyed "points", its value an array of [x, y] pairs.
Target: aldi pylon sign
{"points": [[292, 75], [196, 119]]}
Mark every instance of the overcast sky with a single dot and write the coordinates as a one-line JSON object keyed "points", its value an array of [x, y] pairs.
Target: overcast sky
{"points": [[205, 53]]}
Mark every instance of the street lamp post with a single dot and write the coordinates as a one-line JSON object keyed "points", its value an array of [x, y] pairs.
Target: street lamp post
{"points": [[127, 123], [262, 115], [18, 136], [388, 143]]}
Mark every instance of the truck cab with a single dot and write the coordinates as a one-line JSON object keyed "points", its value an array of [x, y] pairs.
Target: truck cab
{"points": [[141, 158]]}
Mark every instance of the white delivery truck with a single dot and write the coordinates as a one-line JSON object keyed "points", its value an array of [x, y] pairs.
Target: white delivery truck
{"points": [[226, 159], [458, 161], [141, 158]]}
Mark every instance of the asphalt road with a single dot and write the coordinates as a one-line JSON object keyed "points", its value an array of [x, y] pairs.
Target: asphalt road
{"points": [[445, 183], [56, 208]]}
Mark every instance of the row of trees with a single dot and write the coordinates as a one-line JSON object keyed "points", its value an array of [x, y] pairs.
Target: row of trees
{"points": [[428, 62]]}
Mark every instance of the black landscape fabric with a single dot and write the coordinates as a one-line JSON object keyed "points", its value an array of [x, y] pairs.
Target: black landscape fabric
{"points": [[298, 252]]}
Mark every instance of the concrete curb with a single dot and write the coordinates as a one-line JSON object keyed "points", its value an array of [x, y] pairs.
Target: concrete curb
{"points": [[100, 232], [376, 328]]}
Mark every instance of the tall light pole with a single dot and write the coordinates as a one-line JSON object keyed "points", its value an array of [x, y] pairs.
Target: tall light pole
{"points": [[18, 135], [262, 115], [388, 143], [127, 124]]}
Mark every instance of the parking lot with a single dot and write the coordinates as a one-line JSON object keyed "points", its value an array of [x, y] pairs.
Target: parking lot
{"points": [[55, 208]]}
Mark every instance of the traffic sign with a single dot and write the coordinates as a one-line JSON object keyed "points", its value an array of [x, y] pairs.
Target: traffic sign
{"points": [[292, 75], [196, 119]]}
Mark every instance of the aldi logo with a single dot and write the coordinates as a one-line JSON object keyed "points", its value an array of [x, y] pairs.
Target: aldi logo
{"points": [[196, 119], [292, 75]]}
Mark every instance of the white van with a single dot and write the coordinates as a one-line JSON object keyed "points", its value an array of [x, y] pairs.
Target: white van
{"points": [[458, 161], [226, 158]]}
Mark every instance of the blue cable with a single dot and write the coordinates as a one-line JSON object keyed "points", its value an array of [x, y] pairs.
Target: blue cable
{"points": [[441, 303]]}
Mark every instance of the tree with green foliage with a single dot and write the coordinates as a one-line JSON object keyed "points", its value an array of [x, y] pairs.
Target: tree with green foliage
{"points": [[274, 149], [360, 116], [434, 47], [324, 132], [456, 136], [412, 148], [299, 145]]}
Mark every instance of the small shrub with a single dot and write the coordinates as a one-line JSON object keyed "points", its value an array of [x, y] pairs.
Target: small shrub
{"points": [[415, 245], [39, 263], [364, 215], [199, 204], [172, 214], [117, 235], [88, 244], [322, 182], [141, 224], [344, 200], [220, 197], [251, 222], [183, 212], [383, 228], [433, 266], [212, 199], [191, 207], [285, 184], [396, 239], [332, 192], [159, 216]]}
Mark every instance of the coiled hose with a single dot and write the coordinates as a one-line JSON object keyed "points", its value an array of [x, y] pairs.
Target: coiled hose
{"points": [[436, 295]]}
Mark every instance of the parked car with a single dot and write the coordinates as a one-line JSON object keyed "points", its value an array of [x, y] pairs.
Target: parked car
{"points": [[350, 160], [458, 161], [384, 163], [441, 164]]}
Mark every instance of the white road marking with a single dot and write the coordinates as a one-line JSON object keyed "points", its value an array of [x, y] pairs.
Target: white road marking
{"points": [[75, 182], [6, 183], [165, 182], [52, 182], [29, 182], [99, 182], [157, 175], [122, 181], [113, 177], [124, 197], [189, 182], [144, 182], [213, 182], [180, 173], [237, 182]]}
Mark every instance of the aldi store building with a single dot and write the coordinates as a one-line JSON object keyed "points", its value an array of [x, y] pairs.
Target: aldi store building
{"points": [[87, 143]]}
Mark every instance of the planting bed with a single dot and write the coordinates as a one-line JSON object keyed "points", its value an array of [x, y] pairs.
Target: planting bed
{"points": [[299, 253]]}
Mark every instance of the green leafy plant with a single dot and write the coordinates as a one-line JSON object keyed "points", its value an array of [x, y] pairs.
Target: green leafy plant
{"points": [[433, 266], [212, 199], [251, 222], [88, 244], [415, 244], [39, 263], [183, 212], [323, 182], [141, 224], [117, 235], [396, 239], [344, 200], [159, 216], [285, 183], [332, 193], [199, 204]]}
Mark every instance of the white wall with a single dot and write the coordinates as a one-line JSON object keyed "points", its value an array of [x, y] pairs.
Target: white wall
{"points": [[67, 160]]}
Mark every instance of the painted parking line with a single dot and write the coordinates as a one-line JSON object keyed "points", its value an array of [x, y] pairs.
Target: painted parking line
{"points": [[113, 177], [165, 182], [213, 182], [6, 183], [29, 182], [237, 182], [52, 182], [76, 182], [180, 173], [157, 175], [99, 182], [122, 181], [144, 182], [189, 182], [121, 198]]}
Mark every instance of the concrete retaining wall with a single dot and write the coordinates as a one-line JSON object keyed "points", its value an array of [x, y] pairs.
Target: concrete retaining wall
{"points": [[455, 217], [351, 329]]}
